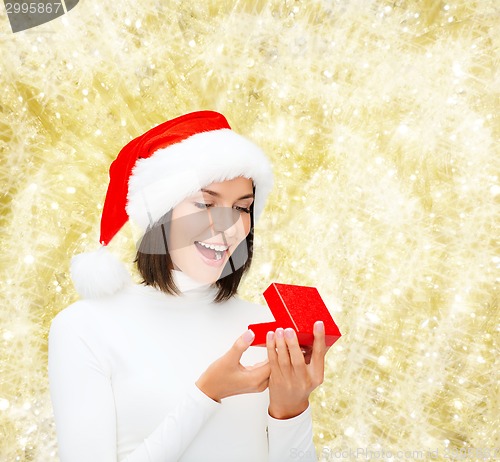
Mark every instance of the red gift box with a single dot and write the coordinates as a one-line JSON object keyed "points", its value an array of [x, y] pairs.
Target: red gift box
{"points": [[298, 307]]}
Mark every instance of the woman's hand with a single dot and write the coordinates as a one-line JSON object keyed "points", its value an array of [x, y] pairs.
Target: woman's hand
{"points": [[227, 376], [292, 380]]}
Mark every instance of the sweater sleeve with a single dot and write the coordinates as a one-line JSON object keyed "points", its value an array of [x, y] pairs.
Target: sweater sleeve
{"points": [[291, 439], [84, 412]]}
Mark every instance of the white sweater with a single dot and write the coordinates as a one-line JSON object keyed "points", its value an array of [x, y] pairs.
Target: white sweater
{"points": [[122, 372]]}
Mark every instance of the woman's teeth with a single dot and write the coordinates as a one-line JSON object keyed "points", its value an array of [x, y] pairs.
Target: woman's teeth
{"points": [[218, 248]]}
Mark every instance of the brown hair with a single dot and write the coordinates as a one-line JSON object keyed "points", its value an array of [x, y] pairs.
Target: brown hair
{"points": [[155, 264]]}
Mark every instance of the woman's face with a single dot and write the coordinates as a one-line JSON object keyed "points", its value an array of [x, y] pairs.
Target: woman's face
{"points": [[207, 227]]}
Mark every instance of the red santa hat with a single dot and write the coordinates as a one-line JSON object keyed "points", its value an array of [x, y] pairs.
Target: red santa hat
{"points": [[156, 171]]}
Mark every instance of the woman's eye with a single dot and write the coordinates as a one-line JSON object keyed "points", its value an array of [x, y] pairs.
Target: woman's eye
{"points": [[242, 209], [202, 205]]}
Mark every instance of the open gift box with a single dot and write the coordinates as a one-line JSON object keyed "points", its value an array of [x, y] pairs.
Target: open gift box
{"points": [[298, 307]]}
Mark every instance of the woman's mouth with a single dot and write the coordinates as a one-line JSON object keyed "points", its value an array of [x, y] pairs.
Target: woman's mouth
{"points": [[213, 254]]}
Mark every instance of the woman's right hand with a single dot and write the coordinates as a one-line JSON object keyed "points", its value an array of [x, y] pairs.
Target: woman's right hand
{"points": [[227, 376]]}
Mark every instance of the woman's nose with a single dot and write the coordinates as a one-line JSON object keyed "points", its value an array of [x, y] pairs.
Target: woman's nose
{"points": [[224, 220]]}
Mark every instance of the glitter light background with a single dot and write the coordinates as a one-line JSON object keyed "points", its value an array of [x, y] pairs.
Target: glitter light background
{"points": [[381, 119]]}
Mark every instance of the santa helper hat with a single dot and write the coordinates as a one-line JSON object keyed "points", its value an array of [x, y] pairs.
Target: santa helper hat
{"points": [[156, 171]]}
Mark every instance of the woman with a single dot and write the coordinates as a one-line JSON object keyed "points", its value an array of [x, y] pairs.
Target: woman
{"points": [[153, 372]]}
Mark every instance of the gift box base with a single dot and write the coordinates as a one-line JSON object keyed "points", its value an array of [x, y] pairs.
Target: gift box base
{"points": [[306, 339]]}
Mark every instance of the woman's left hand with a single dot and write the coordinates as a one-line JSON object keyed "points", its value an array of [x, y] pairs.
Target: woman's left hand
{"points": [[292, 380]]}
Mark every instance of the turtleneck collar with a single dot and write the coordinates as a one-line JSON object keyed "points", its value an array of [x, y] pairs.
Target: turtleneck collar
{"points": [[190, 287]]}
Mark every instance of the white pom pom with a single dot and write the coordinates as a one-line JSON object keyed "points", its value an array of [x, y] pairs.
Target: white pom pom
{"points": [[97, 274]]}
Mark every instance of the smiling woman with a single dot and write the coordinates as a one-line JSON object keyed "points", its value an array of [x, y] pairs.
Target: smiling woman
{"points": [[219, 221], [141, 373], [213, 227]]}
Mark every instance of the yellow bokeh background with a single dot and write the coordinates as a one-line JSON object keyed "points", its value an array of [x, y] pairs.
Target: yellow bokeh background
{"points": [[381, 120]]}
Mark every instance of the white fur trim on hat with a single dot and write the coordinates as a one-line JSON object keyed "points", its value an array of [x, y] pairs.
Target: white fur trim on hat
{"points": [[171, 174]]}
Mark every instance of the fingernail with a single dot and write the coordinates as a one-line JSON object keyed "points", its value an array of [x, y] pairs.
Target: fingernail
{"points": [[248, 336], [279, 332], [289, 333], [320, 326], [270, 336]]}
